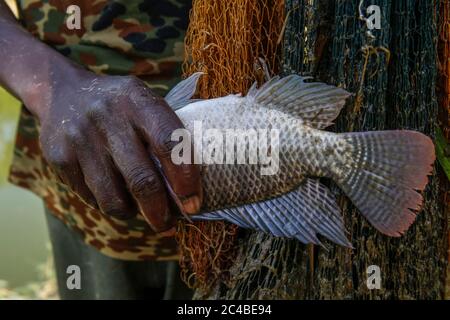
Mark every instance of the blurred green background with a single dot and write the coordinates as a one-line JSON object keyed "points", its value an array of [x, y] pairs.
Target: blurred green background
{"points": [[24, 244], [26, 268]]}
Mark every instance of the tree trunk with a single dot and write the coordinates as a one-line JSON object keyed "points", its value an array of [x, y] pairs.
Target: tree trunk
{"points": [[392, 73]]}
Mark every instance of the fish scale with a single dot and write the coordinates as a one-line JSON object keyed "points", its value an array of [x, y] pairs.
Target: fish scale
{"points": [[223, 182]]}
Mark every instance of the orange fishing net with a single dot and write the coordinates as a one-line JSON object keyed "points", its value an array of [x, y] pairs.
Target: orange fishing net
{"points": [[225, 40]]}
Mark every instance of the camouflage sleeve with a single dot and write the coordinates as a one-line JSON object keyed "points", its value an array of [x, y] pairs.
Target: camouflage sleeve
{"points": [[139, 37]]}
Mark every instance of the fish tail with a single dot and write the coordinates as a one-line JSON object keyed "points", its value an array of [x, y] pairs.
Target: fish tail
{"points": [[383, 175]]}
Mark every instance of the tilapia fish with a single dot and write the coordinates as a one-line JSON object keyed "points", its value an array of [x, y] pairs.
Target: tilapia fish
{"points": [[382, 172]]}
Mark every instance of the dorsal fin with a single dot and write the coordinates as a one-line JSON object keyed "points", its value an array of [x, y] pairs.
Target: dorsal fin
{"points": [[181, 94], [316, 103]]}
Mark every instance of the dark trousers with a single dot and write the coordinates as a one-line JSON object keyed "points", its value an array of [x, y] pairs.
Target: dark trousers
{"points": [[102, 277]]}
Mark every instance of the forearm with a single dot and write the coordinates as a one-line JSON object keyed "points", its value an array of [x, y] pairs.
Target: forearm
{"points": [[28, 67]]}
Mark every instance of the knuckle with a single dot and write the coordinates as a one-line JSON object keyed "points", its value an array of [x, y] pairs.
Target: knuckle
{"points": [[59, 161], [98, 112], [143, 182], [74, 135], [131, 81], [57, 155], [164, 142], [136, 92], [115, 207], [130, 85]]}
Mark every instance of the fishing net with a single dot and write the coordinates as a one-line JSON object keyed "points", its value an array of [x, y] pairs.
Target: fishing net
{"points": [[392, 73], [224, 40], [394, 76]]}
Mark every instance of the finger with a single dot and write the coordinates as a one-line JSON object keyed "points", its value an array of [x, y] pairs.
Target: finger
{"points": [[183, 178], [64, 163], [141, 177], [105, 182], [73, 177]]}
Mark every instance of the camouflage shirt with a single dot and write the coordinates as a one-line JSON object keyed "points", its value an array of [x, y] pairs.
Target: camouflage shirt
{"points": [[139, 37]]}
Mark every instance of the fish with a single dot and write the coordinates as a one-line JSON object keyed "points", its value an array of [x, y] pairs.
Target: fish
{"points": [[383, 173]]}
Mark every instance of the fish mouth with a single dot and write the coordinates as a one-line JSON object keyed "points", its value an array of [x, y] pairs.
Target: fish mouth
{"points": [[175, 203]]}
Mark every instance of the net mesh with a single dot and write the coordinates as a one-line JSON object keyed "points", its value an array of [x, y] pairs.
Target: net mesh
{"points": [[224, 40], [393, 73]]}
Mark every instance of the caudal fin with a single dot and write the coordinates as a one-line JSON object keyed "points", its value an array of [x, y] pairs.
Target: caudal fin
{"points": [[383, 175]]}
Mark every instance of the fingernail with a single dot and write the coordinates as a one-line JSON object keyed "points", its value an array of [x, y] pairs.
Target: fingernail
{"points": [[192, 205], [169, 233]]}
